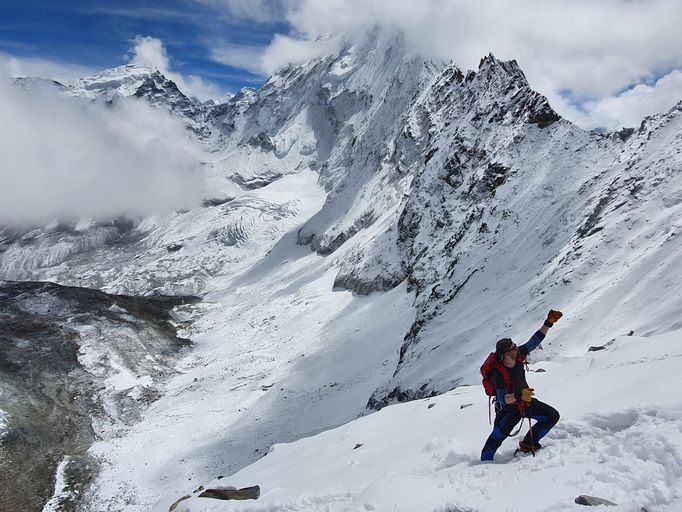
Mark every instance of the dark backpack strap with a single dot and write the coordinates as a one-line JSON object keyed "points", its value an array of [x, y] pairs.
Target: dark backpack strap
{"points": [[505, 374]]}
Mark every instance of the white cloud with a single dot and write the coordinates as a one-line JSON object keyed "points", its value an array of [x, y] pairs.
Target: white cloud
{"points": [[150, 51], [34, 67], [630, 107], [288, 50], [74, 158], [592, 49], [259, 11], [248, 57]]}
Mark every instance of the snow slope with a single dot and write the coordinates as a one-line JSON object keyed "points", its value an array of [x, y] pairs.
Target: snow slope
{"points": [[271, 363], [619, 438]]}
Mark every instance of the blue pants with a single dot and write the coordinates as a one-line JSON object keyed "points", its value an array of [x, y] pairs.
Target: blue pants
{"points": [[506, 419]]}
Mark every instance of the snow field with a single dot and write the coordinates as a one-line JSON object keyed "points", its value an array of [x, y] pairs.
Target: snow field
{"points": [[619, 438], [278, 355]]}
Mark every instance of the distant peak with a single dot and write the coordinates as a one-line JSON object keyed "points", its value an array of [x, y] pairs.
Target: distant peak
{"points": [[127, 71], [123, 80]]}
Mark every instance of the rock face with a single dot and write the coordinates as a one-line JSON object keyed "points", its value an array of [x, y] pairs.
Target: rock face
{"points": [[73, 363], [496, 191]]}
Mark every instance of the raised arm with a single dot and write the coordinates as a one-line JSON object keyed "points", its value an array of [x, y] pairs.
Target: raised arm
{"points": [[535, 340]]}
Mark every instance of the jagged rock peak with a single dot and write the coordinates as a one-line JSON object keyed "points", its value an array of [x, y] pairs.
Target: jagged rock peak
{"points": [[491, 65], [156, 84]]}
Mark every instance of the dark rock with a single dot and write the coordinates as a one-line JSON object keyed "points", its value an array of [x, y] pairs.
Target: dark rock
{"points": [[590, 225], [357, 446], [430, 155], [596, 349], [262, 141], [246, 493], [255, 182], [174, 247], [593, 501], [625, 133], [367, 286], [328, 243], [215, 202], [544, 116], [379, 399]]}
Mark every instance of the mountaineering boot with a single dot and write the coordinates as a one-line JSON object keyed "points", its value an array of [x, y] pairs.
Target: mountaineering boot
{"points": [[526, 447]]}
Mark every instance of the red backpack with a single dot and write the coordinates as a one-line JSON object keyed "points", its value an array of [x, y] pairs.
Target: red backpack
{"points": [[492, 363]]}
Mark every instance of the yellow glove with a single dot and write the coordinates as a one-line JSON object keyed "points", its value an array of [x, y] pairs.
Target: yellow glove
{"points": [[527, 394]]}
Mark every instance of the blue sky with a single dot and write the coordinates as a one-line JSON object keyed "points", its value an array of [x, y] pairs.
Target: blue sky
{"points": [[98, 34]]}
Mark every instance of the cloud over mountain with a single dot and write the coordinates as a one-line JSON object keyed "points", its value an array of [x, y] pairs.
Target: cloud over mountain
{"points": [[582, 55], [151, 52], [72, 158]]}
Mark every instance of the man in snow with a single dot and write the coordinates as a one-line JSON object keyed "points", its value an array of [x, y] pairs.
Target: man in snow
{"points": [[515, 398]]}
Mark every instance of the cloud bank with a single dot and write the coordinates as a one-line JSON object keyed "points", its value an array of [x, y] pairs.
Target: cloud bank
{"points": [[71, 158], [585, 56], [241, 56]]}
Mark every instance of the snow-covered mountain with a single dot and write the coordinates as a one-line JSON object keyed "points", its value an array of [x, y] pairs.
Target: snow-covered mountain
{"points": [[376, 222], [120, 81]]}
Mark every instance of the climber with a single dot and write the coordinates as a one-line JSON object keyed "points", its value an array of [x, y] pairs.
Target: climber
{"points": [[505, 369]]}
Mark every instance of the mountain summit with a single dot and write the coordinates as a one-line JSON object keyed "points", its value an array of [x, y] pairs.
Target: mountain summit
{"points": [[122, 80]]}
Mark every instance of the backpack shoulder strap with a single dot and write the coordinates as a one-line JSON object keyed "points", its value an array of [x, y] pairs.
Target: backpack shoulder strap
{"points": [[504, 372]]}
